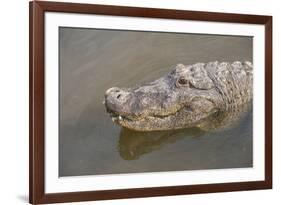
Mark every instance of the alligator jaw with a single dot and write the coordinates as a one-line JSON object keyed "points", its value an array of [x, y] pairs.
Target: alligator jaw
{"points": [[157, 122], [130, 121]]}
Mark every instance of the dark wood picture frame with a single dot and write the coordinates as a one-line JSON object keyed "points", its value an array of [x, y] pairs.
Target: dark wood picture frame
{"points": [[37, 193]]}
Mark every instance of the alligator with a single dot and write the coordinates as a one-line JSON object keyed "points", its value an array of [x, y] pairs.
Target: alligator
{"points": [[185, 97]]}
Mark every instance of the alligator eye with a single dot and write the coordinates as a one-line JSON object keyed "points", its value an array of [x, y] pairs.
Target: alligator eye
{"points": [[182, 82]]}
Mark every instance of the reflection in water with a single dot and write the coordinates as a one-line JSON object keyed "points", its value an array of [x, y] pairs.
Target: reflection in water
{"points": [[133, 144]]}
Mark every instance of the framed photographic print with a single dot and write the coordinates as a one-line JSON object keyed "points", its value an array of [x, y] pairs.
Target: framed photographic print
{"points": [[138, 102]]}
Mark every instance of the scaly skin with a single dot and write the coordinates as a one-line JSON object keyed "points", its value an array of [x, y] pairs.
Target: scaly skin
{"points": [[185, 97]]}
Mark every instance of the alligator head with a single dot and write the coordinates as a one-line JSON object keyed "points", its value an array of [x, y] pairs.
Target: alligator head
{"points": [[185, 97], [182, 98]]}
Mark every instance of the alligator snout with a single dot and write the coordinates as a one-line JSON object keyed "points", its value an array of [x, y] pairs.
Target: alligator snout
{"points": [[116, 95], [116, 100]]}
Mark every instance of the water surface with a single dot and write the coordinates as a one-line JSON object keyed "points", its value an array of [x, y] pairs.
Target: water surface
{"points": [[91, 61]]}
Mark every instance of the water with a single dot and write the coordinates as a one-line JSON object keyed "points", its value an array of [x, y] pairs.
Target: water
{"points": [[91, 61]]}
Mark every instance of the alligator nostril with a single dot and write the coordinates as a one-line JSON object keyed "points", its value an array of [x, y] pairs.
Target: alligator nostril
{"points": [[112, 90], [118, 96]]}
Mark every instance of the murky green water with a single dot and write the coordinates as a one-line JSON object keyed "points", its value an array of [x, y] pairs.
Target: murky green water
{"points": [[91, 61]]}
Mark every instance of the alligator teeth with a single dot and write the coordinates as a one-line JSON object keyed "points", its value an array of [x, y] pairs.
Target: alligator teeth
{"points": [[117, 118], [103, 102]]}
